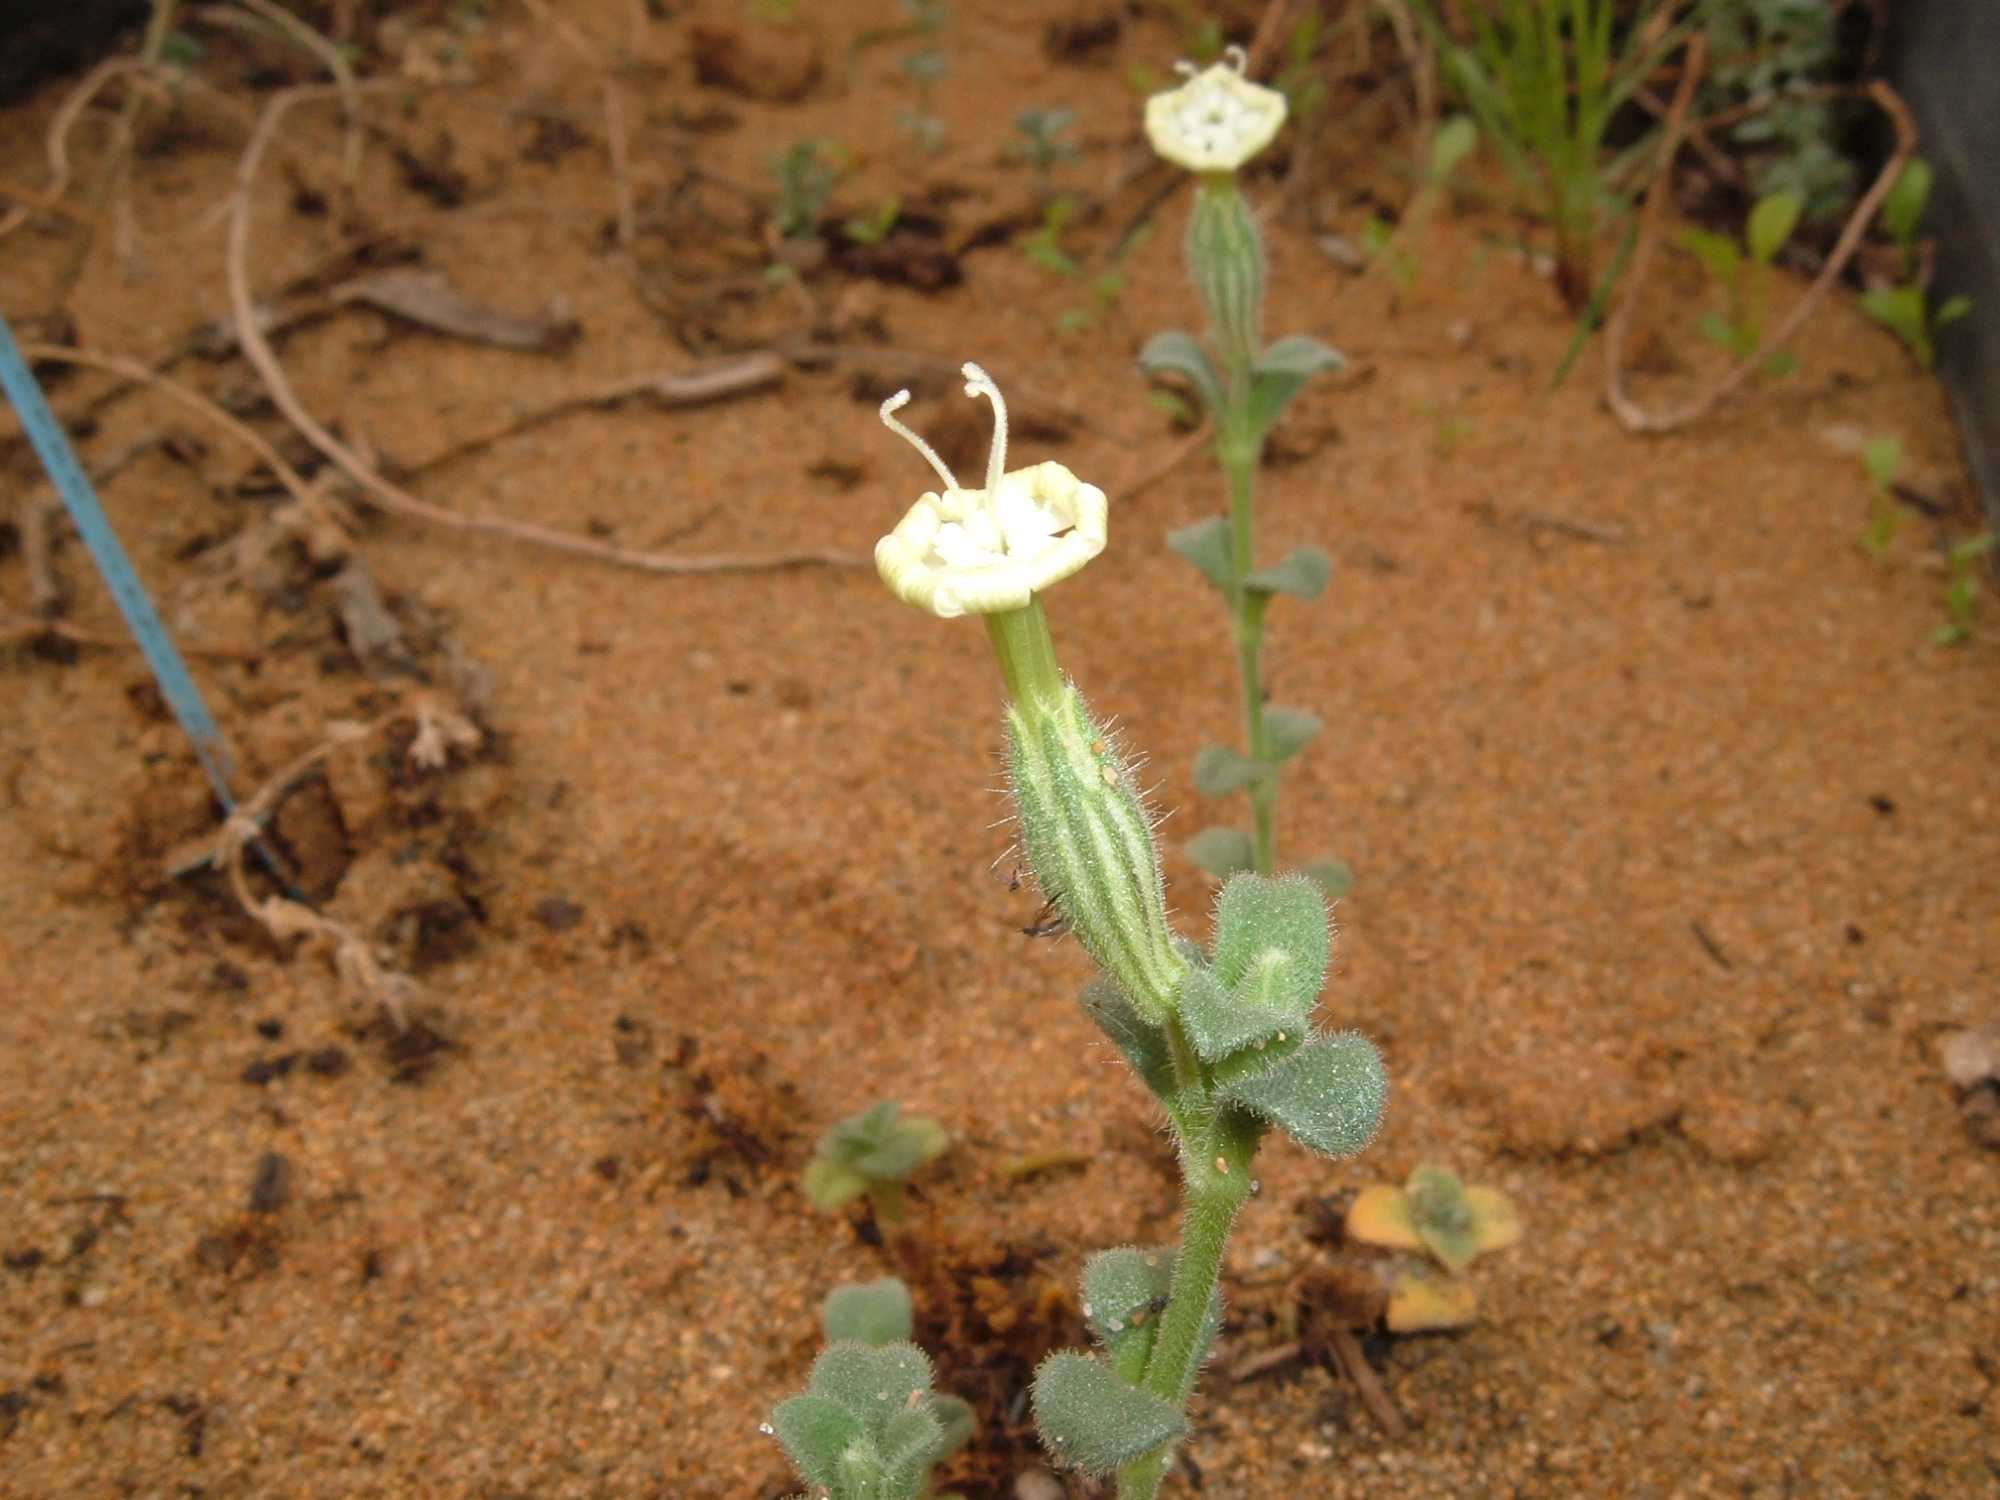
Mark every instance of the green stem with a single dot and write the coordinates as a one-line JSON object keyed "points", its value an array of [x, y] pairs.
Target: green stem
{"points": [[1238, 455], [1216, 1155], [1027, 655]]}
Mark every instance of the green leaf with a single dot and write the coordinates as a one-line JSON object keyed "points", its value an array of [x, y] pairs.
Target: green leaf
{"points": [[1903, 208], [1091, 1420], [957, 1422], [1327, 1096], [1145, 1046], [871, 1383], [1900, 309], [1718, 330], [815, 1431], [1271, 944], [1219, 771], [911, 1442], [829, 1184], [1335, 877], [1221, 1021], [1206, 545], [1124, 1291], [1771, 224], [1280, 373], [1303, 574], [1717, 253], [1453, 141], [1951, 310], [873, 1313], [1221, 851], [1181, 354], [1289, 730], [1883, 457]]}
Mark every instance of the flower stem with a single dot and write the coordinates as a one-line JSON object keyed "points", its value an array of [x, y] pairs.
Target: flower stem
{"points": [[1027, 654], [1216, 1152], [1239, 461]]}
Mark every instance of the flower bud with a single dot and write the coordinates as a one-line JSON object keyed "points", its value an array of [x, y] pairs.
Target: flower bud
{"points": [[1089, 839], [1226, 258]]}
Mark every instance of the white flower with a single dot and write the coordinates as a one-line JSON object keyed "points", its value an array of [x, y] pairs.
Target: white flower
{"points": [[979, 552], [1217, 120]]}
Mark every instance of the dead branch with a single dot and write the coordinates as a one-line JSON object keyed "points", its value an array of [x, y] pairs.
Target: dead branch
{"points": [[390, 497]]}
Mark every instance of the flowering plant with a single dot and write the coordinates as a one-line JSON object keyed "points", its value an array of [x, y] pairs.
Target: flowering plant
{"points": [[1221, 1035]]}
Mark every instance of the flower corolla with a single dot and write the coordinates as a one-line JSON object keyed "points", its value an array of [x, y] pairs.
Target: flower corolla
{"points": [[1217, 120]]}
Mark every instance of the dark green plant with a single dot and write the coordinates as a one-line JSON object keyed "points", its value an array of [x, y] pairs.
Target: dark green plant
{"points": [[1904, 308], [1775, 57], [869, 1426], [1042, 145], [1543, 78], [872, 1154], [1744, 273]]}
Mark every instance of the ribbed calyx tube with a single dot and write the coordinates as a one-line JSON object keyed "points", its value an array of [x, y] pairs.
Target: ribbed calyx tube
{"points": [[1226, 258], [1087, 836]]}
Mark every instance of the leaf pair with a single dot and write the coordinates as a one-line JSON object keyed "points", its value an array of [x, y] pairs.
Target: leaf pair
{"points": [[1224, 852], [1276, 375], [1303, 573], [869, 1426]]}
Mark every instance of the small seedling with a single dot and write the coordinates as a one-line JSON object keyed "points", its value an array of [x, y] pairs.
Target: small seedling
{"points": [[1904, 309], [1964, 561], [869, 1426], [1451, 143], [926, 68], [873, 227], [1046, 249], [1042, 145], [1744, 273], [1437, 1215], [872, 1154], [1882, 457], [806, 172]]}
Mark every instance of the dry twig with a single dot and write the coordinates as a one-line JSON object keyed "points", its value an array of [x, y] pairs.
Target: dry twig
{"points": [[390, 497]]}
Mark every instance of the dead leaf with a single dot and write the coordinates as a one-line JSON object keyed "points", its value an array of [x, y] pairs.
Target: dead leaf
{"points": [[427, 298]]}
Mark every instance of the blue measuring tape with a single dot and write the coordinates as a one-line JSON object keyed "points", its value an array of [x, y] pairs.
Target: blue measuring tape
{"points": [[169, 670]]}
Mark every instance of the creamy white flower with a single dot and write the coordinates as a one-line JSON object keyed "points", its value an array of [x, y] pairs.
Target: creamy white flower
{"points": [[1217, 120], [978, 552]]}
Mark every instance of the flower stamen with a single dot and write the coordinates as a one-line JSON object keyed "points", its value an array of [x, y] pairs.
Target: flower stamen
{"points": [[979, 383], [902, 399]]}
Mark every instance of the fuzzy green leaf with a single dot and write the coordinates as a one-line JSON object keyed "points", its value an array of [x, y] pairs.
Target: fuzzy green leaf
{"points": [[1206, 545], [873, 1313], [1220, 1021], [815, 1431], [912, 1440], [1951, 310], [956, 1423], [1328, 1096], [1123, 1293], [1144, 1045], [1771, 224], [1219, 771], [1280, 373], [1271, 940], [1091, 1420], [1335, 877], [1303, 574], [871, 1383], [1181, 354], [1289, 730], [1221, 851]]}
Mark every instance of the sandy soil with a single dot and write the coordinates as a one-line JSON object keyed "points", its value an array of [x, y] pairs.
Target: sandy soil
{"points": [[1677, 844]]}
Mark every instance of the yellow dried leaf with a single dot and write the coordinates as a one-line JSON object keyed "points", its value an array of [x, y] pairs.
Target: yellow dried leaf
{"points": [[1381, 1216], [1419, 1303], [1495, 1223]]}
